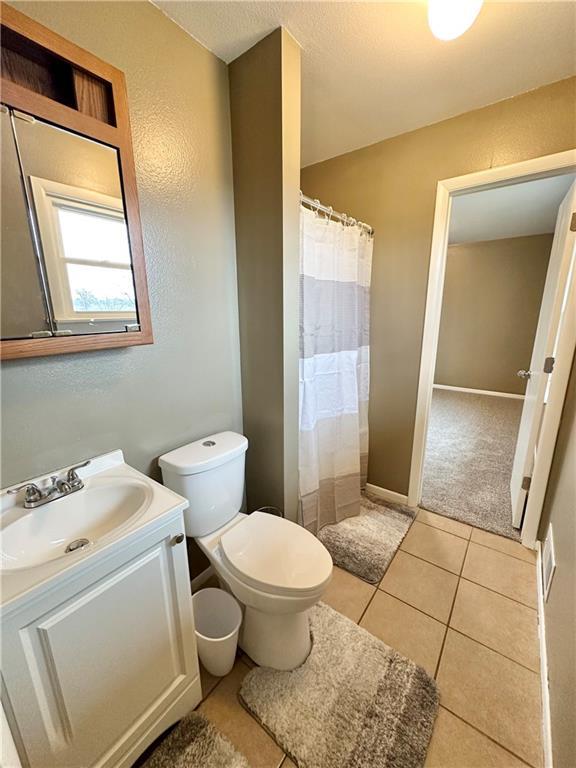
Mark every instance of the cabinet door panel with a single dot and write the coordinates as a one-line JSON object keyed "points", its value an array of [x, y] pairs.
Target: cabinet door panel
{"points": [[103, 659]]}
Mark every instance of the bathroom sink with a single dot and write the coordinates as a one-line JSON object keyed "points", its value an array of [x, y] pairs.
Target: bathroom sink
{"points": [[73, 524]]}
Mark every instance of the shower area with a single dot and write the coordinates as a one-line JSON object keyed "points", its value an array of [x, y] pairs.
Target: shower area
{"points": [[334, 366], [361, 531]]}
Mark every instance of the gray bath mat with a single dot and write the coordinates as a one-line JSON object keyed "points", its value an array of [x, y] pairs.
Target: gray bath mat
{"points": [[195, 743], [354, 703], [365, 545]]}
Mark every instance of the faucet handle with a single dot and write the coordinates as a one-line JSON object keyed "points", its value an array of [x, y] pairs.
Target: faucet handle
{"points": [[33, 493], [72, 476]]}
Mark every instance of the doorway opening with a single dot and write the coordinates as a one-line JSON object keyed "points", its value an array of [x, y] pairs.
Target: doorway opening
{"points": [[498, 311]]}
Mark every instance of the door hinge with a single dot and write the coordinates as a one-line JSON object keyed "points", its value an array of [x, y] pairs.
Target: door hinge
{"points": [[573, 223], [526, 482], [549, 364]]}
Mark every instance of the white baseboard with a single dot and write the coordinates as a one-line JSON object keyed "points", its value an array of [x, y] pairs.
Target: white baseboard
{"points": [[479, 391], [546, 718], [384, 493], [201, 579]]}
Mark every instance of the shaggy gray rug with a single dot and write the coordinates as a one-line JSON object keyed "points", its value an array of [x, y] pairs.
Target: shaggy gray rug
{"points": [[195, 743], [354, 703], [364, 545], [468, 462]]}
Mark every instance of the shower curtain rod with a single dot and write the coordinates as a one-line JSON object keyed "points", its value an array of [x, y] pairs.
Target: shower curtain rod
{"points": [[316, 205]]}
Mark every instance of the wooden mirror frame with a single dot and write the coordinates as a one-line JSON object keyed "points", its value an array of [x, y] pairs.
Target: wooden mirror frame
{"points": [[116, 135]]}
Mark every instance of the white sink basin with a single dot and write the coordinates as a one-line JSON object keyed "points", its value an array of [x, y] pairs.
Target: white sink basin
{"points": [[32, 537]]}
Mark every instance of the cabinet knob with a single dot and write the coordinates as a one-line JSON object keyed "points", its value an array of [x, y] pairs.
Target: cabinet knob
{"points": [[178, 539]]}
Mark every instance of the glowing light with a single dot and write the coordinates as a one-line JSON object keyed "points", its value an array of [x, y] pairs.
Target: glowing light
{"points": [[448, 19]]}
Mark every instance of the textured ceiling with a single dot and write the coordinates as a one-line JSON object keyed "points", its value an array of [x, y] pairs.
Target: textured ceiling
{"points": [[529, 208], [371, 70]]}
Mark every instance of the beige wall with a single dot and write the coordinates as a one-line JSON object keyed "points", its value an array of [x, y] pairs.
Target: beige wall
{"points": [[560, 609], [22, 306], [392, 185], [63, 156], [265, 110], [490, 308], [147, 400]]}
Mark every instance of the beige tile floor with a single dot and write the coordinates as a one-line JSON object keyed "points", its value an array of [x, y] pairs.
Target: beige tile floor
{"points": [[460, 602]]}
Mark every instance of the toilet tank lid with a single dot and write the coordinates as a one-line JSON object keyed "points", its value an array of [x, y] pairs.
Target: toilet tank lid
{"points": [[204, 454]]}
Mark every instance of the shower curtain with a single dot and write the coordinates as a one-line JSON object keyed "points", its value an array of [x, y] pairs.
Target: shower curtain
{"points": [[335, 266]]}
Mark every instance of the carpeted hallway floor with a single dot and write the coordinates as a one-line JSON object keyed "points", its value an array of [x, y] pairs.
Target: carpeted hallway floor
{"points": [[468, 462]]}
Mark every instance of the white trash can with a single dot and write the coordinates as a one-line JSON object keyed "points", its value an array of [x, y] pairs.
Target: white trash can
{"points": [[217, 618]]}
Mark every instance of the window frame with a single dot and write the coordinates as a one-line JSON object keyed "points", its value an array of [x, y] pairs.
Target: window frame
{"points": [[49, 196]]}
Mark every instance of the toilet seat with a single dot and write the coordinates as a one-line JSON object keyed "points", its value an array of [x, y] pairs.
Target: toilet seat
{"points": [[276, 556]]}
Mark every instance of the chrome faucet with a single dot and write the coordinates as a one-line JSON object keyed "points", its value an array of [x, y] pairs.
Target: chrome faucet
{"points": [[58, 488]]}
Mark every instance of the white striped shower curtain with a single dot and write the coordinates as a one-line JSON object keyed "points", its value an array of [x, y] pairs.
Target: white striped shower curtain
{"points": [[335, 267]]}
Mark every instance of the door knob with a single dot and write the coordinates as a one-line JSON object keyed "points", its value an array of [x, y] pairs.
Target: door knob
{"points": [[178, 539], [524, 374]]}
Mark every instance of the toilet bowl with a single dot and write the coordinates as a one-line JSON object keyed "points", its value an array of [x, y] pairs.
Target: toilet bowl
{"points": [[275, 568]]}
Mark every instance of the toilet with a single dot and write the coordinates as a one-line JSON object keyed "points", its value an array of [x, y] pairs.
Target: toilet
{"points": [[275, 568]]}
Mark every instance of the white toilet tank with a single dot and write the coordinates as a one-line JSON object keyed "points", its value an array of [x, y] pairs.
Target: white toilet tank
{"points": [[210, 474]]}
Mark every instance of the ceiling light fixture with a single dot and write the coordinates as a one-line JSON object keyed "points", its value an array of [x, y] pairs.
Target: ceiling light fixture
{"points": [[448, 19]]}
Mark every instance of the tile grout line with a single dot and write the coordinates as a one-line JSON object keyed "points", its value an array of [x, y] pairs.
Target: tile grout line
{"points": [[495, 591], [437, 527], [422, 559], [489, 648], [454, 629], [480, 544], [377, 586], [415, 607], [487, 735], [477, 543], [369, 602], [446, 624], [461, 578], [451, 611], [458, 576], [237, 660], [406, 552], [210, 692], [507, 554]]}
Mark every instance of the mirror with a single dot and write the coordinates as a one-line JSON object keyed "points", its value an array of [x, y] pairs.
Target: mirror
{"points": [[23, 305], [67, 266]]}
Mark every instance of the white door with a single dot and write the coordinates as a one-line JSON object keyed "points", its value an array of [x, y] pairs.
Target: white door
{"points": [[551, 313]]}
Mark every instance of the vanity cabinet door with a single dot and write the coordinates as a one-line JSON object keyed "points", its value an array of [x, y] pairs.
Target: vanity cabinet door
{"points": [[90, 668]]}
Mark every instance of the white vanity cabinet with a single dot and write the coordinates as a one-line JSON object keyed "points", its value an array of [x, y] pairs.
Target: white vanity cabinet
{"points": [[102, 659]]}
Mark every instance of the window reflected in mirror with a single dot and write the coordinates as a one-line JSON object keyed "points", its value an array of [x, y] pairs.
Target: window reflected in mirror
{"points": [[87, 256], [76, 228]]}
